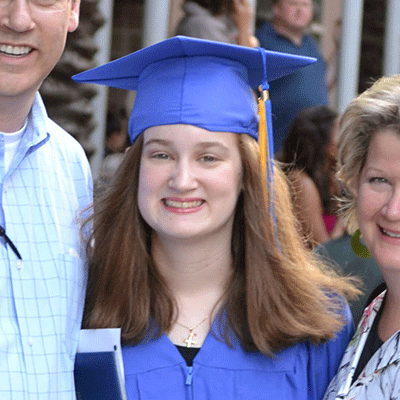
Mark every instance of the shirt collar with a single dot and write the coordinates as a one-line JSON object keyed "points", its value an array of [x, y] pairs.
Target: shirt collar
{"points": [[37, 122]]}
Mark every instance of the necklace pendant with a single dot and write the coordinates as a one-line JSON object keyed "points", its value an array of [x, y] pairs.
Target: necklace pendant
{"points": [[189, 340]]}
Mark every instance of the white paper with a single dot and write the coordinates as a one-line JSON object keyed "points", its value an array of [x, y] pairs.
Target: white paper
{"points": [[96, 340]]}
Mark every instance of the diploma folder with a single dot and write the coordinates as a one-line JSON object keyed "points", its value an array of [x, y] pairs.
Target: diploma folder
{"points": [[98, 366]]}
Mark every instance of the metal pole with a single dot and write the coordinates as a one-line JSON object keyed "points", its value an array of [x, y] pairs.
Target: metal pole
{"points": [[103, 43], [155, 29], [391, 50], [254, 6], [349, 62], [155, 21]]}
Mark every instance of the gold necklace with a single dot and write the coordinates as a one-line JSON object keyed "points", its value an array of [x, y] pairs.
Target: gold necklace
{"points": [[189, 341]]}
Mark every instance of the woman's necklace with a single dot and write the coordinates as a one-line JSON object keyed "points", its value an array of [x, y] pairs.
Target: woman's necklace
{"points": [[189, 341]]}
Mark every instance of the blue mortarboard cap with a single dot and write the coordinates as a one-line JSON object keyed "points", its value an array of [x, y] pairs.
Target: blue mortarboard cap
{"points": [[192, 81], [208, 84]]}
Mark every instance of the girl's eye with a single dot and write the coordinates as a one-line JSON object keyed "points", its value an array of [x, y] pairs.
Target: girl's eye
{"points": [[160, 156], [208, 158]]}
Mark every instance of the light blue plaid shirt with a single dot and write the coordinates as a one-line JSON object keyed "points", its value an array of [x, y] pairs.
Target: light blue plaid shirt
{"points": [[42, 296]]}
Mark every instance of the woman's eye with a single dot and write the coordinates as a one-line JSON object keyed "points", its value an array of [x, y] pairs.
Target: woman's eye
{"points": [[377, 180]]}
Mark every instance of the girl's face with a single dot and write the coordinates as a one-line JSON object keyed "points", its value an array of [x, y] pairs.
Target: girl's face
{"points": [[378, 199], [189, 181]]}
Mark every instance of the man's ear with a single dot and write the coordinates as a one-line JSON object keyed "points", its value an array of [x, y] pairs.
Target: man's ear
{"points": [[74, 7]]}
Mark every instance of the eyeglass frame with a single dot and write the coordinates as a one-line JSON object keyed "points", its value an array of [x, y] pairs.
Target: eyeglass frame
{"points": [[40, 8]]}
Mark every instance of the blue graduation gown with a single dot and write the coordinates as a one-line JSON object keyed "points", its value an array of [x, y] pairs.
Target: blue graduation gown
{"points": [[156, 370]]}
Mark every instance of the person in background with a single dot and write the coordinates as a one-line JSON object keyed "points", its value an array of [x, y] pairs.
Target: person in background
{"points": [[228, 21], [45, 183], [117, 141], [287, 32], [369, 167], [195, 254], [116, 135], [309, 154]]}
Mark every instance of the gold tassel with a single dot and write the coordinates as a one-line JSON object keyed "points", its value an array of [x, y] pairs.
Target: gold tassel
{"points": [[263, 142]]}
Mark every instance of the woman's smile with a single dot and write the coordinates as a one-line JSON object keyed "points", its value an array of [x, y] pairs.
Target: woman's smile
{"points": [[183, 205]]}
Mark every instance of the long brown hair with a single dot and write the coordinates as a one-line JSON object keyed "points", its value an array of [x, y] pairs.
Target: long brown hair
{"points": [[307, 148], [279, 293]]}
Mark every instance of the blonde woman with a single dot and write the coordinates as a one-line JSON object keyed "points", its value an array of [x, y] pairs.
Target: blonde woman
{"points": [[369, 163]]}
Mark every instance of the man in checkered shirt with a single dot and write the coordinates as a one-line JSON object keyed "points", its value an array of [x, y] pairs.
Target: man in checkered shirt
{"points": [[45, 183]]}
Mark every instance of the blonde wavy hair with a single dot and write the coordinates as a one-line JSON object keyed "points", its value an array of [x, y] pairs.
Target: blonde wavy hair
{"points": [[375, 109]]}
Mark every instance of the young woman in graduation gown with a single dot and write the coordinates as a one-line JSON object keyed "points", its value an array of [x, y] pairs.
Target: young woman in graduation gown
{"points": [[194, 252]]}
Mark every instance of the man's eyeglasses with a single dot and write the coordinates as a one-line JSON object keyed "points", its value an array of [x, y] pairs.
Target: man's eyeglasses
{"points": [[10, 243], [40, 5]]}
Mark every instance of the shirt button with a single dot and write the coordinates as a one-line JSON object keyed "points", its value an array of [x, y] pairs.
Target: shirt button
{"points": [[18, 263], [30, 341], [5, 187], [72, 252]]}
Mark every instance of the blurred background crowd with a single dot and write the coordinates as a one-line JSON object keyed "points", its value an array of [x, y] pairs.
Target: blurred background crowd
{"points": [[356, 40]]}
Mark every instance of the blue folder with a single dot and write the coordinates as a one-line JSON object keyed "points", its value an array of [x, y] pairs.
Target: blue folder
{"points": [[96, 377], [97, 372]]}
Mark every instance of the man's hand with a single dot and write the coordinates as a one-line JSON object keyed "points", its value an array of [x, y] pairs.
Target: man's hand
{"points": [[242, 15]]}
